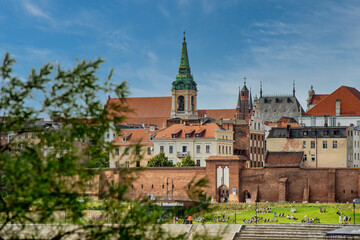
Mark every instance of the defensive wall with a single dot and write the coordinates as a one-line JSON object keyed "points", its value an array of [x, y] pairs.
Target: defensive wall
{"points": [[277, 184]]}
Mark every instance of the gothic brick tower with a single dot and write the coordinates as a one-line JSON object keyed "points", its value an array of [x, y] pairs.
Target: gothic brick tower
{"points": [[184, 91], [244, 104]]}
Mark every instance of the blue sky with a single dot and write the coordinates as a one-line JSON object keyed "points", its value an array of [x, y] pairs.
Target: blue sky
{"points": [[276, 42]]}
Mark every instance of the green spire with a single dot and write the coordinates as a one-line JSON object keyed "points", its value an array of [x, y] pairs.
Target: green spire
{"points": [[184, 79]]}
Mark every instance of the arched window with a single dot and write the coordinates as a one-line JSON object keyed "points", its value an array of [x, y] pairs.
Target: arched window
{"points": [[181, 103], [192, 103]]}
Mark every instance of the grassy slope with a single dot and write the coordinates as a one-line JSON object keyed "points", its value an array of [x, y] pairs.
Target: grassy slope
{"points": [[246, 211]]}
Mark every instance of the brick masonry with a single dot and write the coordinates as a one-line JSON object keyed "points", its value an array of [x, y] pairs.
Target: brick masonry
{"points": [[263, 184]]}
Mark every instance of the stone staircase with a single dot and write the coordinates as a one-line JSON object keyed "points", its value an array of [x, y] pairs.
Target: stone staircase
{"points": [[286, 231]]}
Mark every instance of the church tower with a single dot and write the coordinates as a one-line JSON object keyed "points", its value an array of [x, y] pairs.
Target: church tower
{"points": [[184, 91], [244, 104]]}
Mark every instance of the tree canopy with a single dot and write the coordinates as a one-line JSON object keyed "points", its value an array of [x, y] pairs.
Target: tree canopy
{"points": [[160, 160], [186, 162], [44, 177]]}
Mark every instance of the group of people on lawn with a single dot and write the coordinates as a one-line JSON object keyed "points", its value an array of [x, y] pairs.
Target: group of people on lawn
{"points": [[343, 219]]}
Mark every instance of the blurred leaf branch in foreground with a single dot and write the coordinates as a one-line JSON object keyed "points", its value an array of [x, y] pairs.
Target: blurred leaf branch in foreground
{"points": [[43, 175]]}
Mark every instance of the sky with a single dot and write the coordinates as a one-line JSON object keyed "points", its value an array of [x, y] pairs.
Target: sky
{"points": [[274, 42]]}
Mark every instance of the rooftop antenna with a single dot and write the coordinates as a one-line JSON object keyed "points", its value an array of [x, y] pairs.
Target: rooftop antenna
{"points": [[294, 88], [261, 89]]}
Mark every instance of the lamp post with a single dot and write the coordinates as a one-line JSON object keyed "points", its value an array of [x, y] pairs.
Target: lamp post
{"points": [[354, 212], [356, 200], [256, 220]]}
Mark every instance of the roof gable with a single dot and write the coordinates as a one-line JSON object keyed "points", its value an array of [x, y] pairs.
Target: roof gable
{"points": [[350, 103]]}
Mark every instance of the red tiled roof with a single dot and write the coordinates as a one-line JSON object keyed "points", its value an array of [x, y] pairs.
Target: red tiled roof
{"points": [[281, 124], [148, 110], [350, 103], [316, 98], [283, 159], [209, 131], [217, 114], [135, 136], [156, 110]]}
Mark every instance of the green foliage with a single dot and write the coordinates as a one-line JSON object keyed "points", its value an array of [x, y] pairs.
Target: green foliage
{"points": [[160, 160], [100, 160], [40, 181], [186, 162]]}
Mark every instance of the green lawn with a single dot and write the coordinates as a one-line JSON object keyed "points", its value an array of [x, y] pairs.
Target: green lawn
{"points": [[247, 211]]}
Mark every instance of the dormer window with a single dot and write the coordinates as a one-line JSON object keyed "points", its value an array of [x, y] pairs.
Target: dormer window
{"points": [[124, 139], [305, 133]]}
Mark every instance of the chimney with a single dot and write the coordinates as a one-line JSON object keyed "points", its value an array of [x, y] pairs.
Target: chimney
{"points": [[288, 131], [337, 107]]}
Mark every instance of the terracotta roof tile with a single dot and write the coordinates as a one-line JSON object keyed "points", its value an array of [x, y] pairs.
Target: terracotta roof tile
{"points": [[218, 113], [156, 110], [209, 131], [283, 159], [316, 98], [350, 103], [135, 136]]}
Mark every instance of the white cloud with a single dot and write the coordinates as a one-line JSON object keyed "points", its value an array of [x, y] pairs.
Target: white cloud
{"points": [[35, 10], [164, 11]]}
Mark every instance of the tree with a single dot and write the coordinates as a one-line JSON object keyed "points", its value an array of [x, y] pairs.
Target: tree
{"points": [[160, 160], [45, 182], [100, 161], [186, 162]]}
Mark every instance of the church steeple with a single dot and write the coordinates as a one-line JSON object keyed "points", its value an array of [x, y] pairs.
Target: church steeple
{"points": [[184, 91], [184, 60], [239, 99], [184, 79]]}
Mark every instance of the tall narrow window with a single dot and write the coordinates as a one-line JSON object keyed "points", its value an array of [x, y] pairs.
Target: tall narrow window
{"points": [[192, 103], [334, 144], [117, 152], [161, 148], [184, 149], [171, 149], [198, 162], [324, 144], [127, 164], [207, 148], [312, 144], [181, 103], [304, 144], [149, 150], [198, 148]]}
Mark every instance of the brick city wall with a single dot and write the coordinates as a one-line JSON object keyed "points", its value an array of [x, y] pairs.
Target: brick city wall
{"points": [[263, 184]]}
